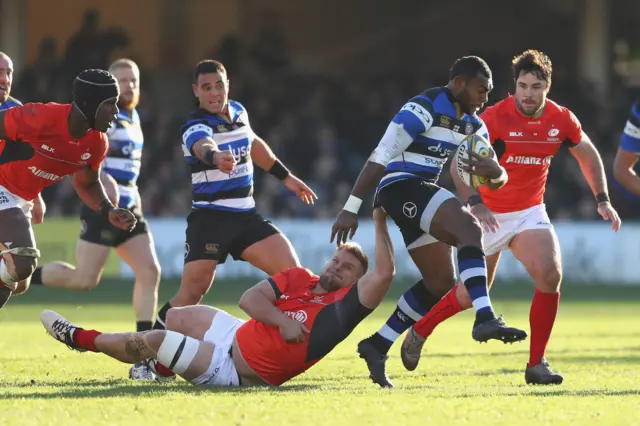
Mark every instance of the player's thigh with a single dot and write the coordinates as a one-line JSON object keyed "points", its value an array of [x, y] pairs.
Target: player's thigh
{"points": [[15, 233], [539, 252], [192, 321], [435, 263], [140, 254], [265, 247]]}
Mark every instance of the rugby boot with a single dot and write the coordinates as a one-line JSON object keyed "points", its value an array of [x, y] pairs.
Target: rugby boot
{"points": [[60, 329], [376, 363], [498, 330], [411, 349], [542, 374]]}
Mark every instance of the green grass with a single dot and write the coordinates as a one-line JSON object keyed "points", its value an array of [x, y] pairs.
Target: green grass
{"points": [[596, 344]]}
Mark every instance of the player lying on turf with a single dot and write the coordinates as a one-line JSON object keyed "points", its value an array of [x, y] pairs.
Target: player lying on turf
{"points": [[296, 319], [526, 132], [42, 144]]}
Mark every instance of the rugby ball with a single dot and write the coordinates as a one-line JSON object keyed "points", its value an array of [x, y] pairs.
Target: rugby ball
{"points": [[481, 146]]}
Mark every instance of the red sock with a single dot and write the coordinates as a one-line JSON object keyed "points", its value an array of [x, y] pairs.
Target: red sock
{"points": [[86, 339], [447, 307], [541, 318], [161, 369]]}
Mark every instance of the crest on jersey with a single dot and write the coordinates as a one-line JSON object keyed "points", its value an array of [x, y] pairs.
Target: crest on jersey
{"points": [[85, 156], [554, 132], [468, 128], [445, 121], [221, 128]]}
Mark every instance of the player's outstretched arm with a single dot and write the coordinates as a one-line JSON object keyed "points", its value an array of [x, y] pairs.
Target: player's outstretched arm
{"points": [[263, 156], [206, 150], [258, 303], [412, 120], [374, 285], [593, 170]]}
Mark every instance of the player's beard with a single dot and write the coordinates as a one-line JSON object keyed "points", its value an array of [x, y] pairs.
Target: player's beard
{"points": [[328, 283], [132, 102], [527, 111]]}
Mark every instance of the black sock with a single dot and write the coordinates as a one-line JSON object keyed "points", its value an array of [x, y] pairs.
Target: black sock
{"points": [[162, 317], [144, 326], [5, 294], [36, 277]]}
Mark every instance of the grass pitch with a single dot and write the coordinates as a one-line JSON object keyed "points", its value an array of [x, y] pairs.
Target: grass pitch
{"points": [[596, 345]]}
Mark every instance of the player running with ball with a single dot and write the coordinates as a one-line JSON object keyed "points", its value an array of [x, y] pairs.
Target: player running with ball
{"points": [[405, 166], [526, 132]]}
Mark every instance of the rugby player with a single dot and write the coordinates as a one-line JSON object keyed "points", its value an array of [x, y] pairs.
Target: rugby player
{"points": [[629, 152], [98, 236], [297, 318], [406, 166], [220, 148], [43, 143], [526, 130]]}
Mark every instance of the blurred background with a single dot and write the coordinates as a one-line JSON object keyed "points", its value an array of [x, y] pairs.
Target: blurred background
{"points": [[321, 80]]}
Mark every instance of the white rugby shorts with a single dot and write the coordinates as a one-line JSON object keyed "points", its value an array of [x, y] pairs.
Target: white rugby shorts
{"points": [[221, 371], [9, 200], [512, 224]]}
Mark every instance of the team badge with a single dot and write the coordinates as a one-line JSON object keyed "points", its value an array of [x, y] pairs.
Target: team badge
{"points": [[468, 128]]}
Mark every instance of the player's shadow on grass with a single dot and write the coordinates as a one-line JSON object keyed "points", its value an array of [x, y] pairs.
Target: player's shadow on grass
{"points": [[118, 388]]}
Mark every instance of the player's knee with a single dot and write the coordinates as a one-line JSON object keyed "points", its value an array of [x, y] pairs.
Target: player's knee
{"points": [[470, 232], [549, 278], [21, 287], [175, 319], [24, 266], [149, 274]]}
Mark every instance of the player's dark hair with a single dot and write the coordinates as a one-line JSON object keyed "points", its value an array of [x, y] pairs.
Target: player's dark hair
{"points": [[534, 62], [208, 66], [356, 250], [469, 67]]}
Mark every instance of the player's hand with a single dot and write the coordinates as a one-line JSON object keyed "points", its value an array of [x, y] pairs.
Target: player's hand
{"points": [[485, 167], [301, 189], [122, 219], [607, 212], [346, 224], [38, 210], [224, 160], [293, 331], [486, 218]]}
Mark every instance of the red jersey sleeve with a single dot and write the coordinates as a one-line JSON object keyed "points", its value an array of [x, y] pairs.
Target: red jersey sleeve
{"points": [[289, 279], [104, 149], [25, 122], [574, 129], [489, 118]]}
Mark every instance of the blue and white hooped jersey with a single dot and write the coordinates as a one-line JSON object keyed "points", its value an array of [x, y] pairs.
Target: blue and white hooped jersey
{"points": [[630, 140], [211, 188], [423, 135], [124, 157], [10, 103]]}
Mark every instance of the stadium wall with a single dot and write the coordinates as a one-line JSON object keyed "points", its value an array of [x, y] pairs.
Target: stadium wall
{"points": [[592, 253]]}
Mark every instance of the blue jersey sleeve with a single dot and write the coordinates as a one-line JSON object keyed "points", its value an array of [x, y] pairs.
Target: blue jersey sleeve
{"points": [[416, 116], [194, 132], [630, 140]]}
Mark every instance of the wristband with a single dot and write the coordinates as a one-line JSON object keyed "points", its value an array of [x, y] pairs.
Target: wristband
{"points": [[474, 200], [602, 197], [353, 204], [104, 208], [208, 157], [279, 170]]}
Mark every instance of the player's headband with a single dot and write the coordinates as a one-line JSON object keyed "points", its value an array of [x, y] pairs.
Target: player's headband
{"points": [[91, 89]]}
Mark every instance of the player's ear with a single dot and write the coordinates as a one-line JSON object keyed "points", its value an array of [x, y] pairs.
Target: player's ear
{"points": [[195, 89]]}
